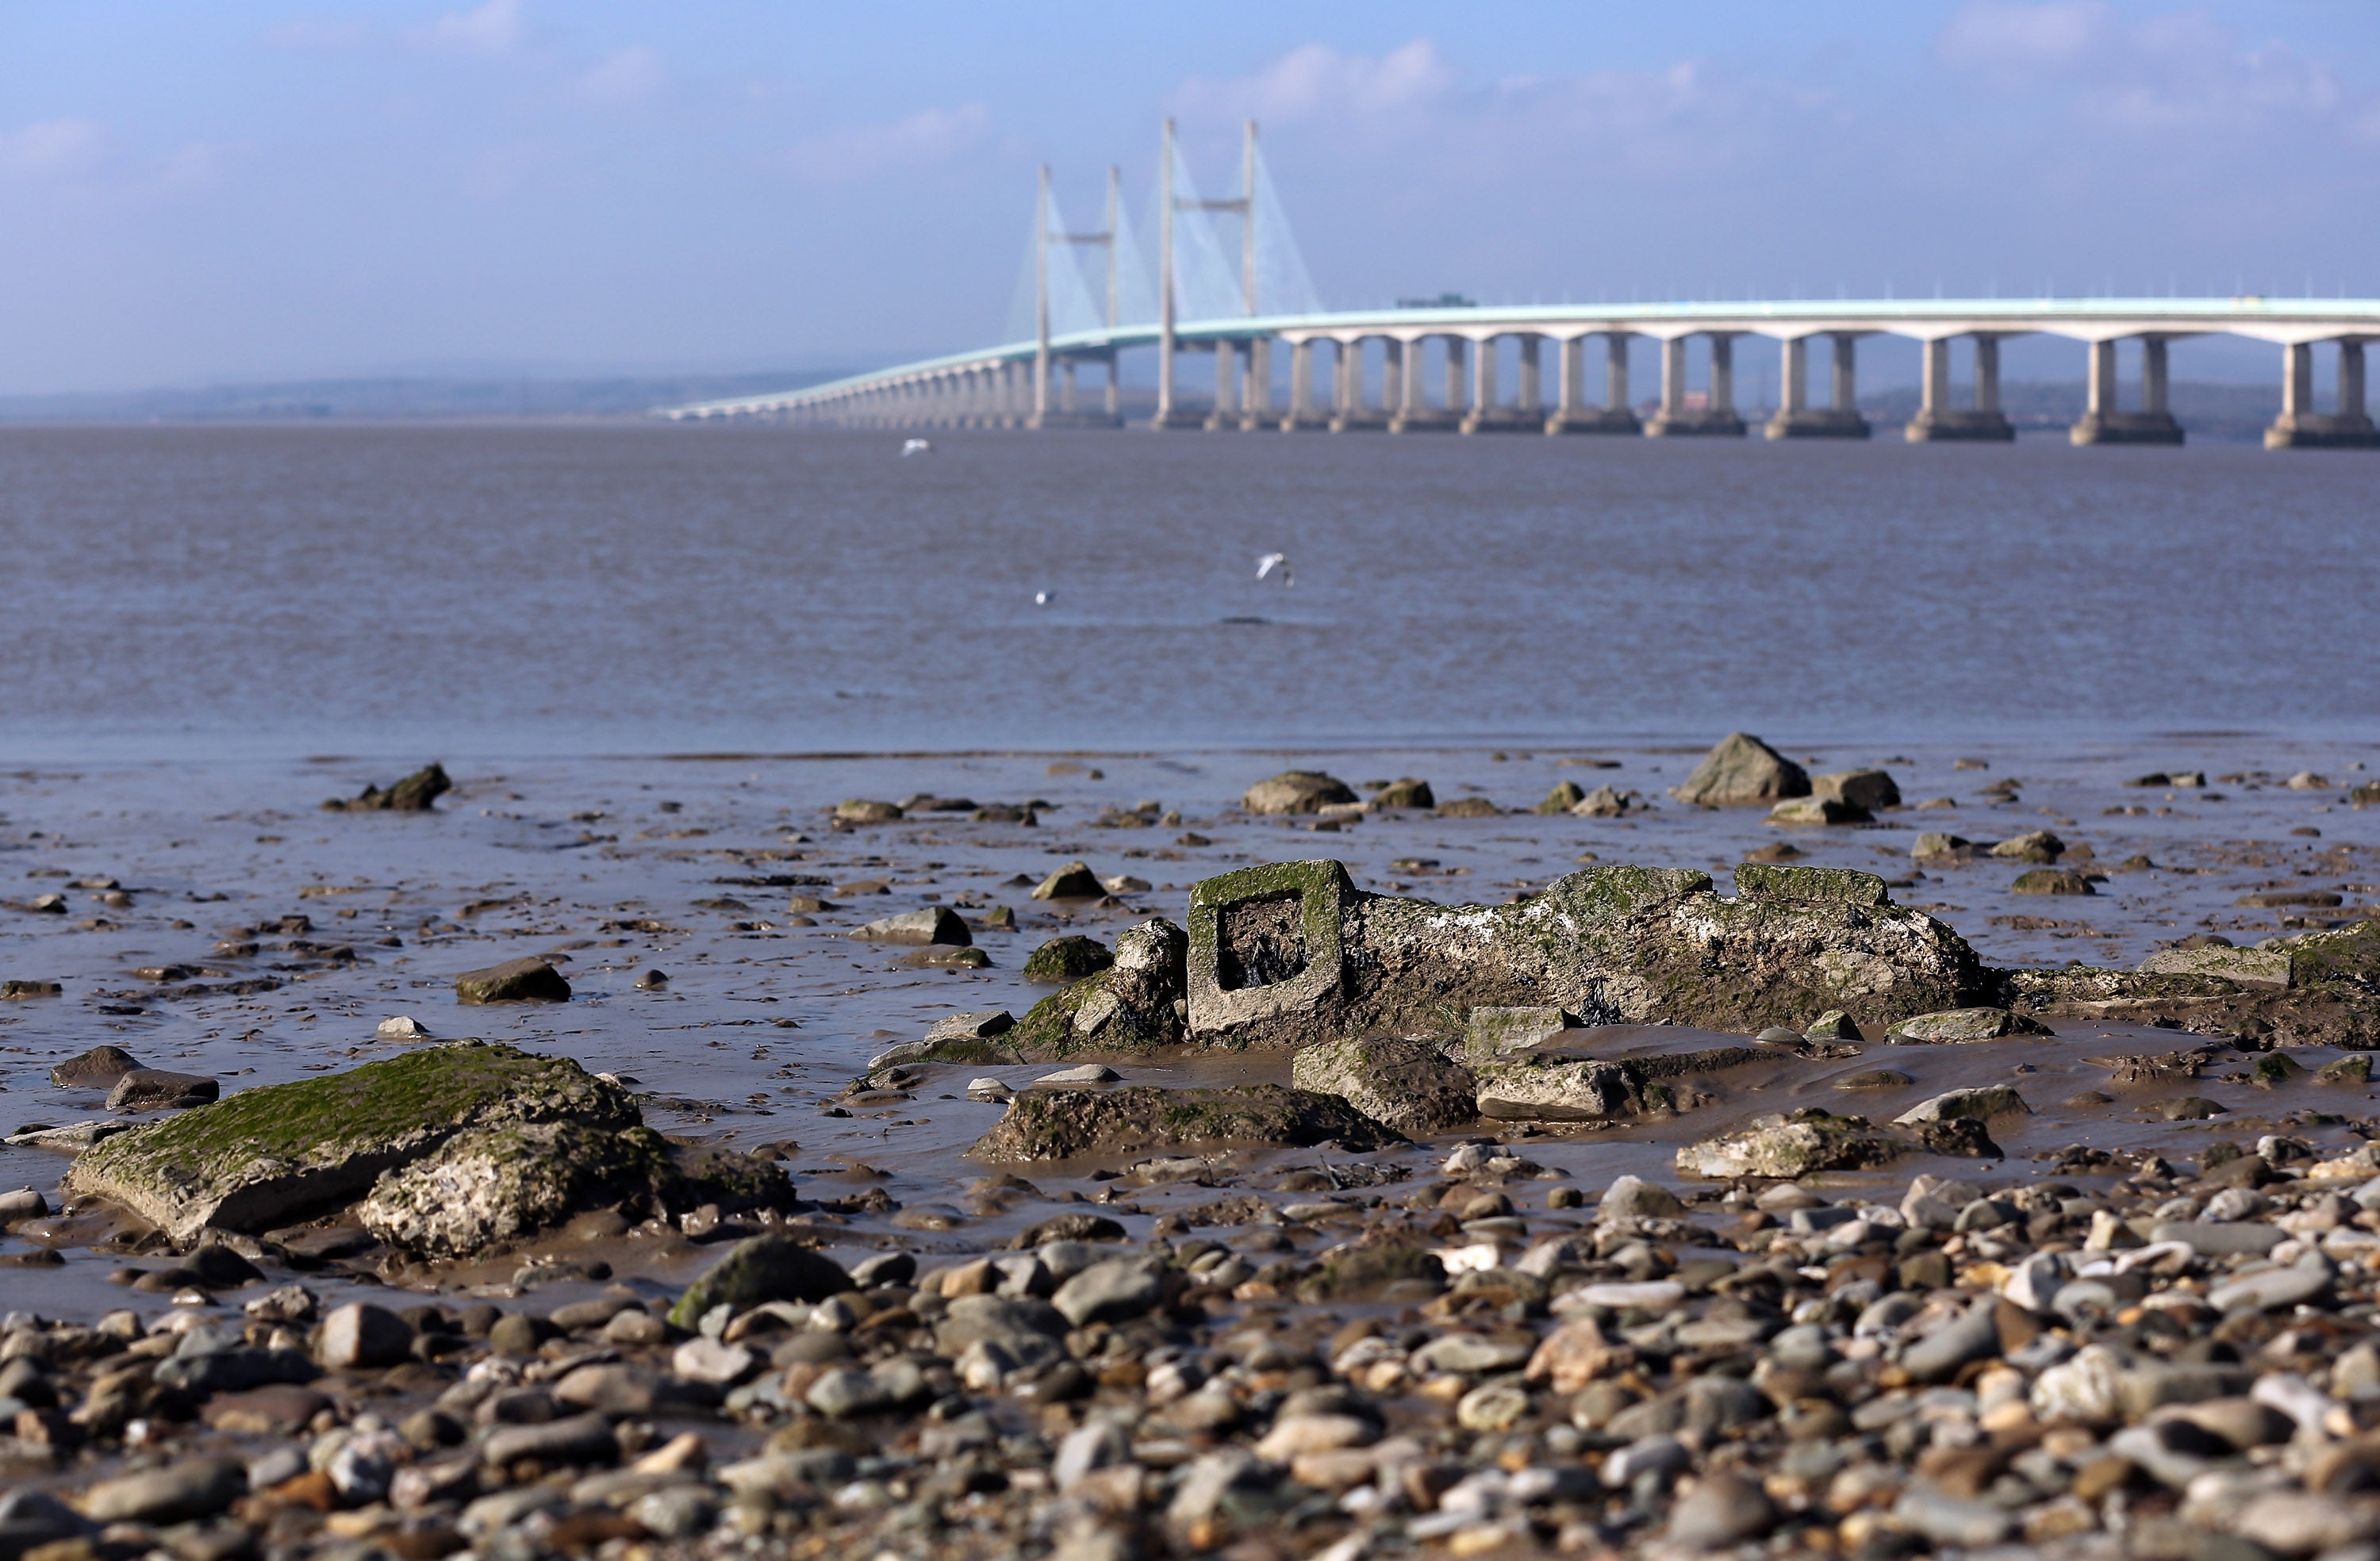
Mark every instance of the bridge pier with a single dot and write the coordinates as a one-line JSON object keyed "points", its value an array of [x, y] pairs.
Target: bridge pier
{"points": [[1415, 414], [1574, 415], [1256, 398], [1937, 419], [2105, 422], [1351, 413], [2300, 426], [1302, 413], [1796, 419], [1486, 413], [1718, 418]]}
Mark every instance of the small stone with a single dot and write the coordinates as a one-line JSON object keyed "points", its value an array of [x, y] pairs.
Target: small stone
{"points": [[1952, 1520], [987, 1088], [651, 981], [1493, 1406], [25, 991], [1299, 1434], [1086, 1073], [1935, 846], [1870, 789], [179, 1493], [2051, 880], [24, 1203], [1073, 881], [587, 1438], [1992, 1100], [2037, 846], [706, 1360], [361, 1337], [1816, 810], [1874, 1078], [401, 1027], [529, 980], [865, 810], [1833, 1025], [1064, 959], [1630, 1197], [762, 1269], [1112, 1291], [1722, 1510], [1959, 1025]]}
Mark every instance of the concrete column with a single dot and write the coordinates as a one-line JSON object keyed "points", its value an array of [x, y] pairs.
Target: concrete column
{"points": [[1794, 375], [1456, 350], [1301, 378], [1258, 399], [1846, 372], [1615, 372], [1532, 394], [1067, 387], [1227, 377], [2297, 380], [2101, 379], [1673, 376], [2153, 374], [1987, 374], [1393, 374], [1934, 378], [1573, 373], [1411, 376], [1112, 389], [1343, 382], [2350, 380], [1483, 377], [1722, 375]]}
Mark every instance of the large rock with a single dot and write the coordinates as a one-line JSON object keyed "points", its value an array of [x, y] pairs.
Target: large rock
{"points": [[1958, 1026], [1136, 1005], [153, 1089], [1061, 1124], [763, 1269], [287, 1152], [1406, 1084], [927, 924], [488, 1186], [1526, 1088], [97, 1068], [1073, 881], [514, 981], [1789, 1147], [1285, 954], [1298, 790], [2328, 999], [2260, 969], [1741, 772]]}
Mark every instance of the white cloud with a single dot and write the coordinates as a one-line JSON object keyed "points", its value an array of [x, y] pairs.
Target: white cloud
{"points": [[2162, 74], [1315, 80], [493, 27], [2005, 36], [927, 137], [52, 147], [630, 76]]}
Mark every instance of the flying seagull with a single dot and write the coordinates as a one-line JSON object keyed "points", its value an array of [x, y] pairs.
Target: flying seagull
{"points": [[1040, 599], [918, 447], [1272, 561]]}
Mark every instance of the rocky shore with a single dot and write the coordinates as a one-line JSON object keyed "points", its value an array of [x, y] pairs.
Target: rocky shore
{"points": [[1652, 1211]]}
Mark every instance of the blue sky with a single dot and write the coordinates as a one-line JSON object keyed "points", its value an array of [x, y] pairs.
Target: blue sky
{"points": [[242, 191]]}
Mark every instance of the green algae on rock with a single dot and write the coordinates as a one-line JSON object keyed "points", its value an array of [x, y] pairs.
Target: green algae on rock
{"points": [[1067, 959], [285, 1152], [1061, 1124], [754, 1272], [418, 793]]}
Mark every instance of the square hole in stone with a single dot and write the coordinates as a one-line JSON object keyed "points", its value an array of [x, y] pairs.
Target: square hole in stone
{"points": [[1260, 941]]}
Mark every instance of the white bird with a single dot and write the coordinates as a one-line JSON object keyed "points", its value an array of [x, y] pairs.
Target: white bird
{"points": [[1272, 561], [918, 447], [1040, 599]]}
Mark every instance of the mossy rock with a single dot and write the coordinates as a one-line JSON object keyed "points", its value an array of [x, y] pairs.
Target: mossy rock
{"points": [[1562, 798], [1469, 807], [418, 793], [754, 1272], [1062, 1124], [1829, 886], [1404, 793], [2352, 1071], [268, 1157], [2348, 953], [1068, 959], [2051, 880]]}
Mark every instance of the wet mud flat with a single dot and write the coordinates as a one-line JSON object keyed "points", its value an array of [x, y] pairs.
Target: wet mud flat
{"points": [[1534, 1329]]}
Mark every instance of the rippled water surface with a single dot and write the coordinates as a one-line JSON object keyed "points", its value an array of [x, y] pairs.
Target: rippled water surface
{"points": [[189, 592]]}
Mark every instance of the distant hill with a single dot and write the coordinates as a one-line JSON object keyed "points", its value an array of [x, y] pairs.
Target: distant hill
{"points": [[427, 396]]}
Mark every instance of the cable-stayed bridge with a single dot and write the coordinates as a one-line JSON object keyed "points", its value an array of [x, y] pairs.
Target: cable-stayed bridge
{"points": [[1228, 281]]}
